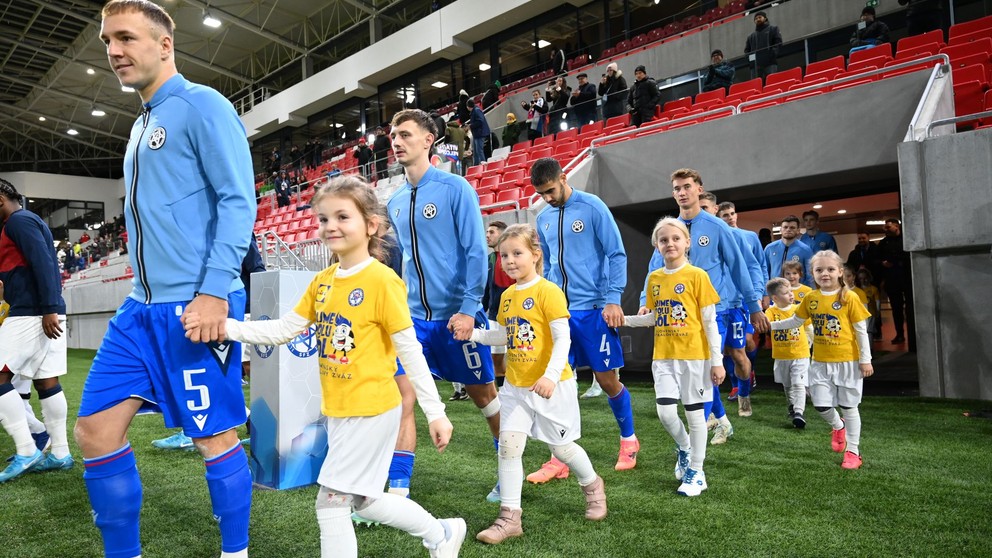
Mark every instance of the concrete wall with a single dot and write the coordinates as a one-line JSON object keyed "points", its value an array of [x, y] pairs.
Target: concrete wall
{"points": [[945, 186], [59, 187]]}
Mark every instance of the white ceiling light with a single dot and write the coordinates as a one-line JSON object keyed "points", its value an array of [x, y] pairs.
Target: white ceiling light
{"points": [[439, 84], [42, 119], [541, 44], [841, 211], [98, 112], [90, 71], [210, 21], [818, 206], [875, 223], [483, 67], [127, 89], [72, 132]]}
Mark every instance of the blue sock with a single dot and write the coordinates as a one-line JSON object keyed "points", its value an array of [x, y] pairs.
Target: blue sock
{"points": [[620, 403], [114, 488], [730, 367], [229, 483], [744, 388], [753, 357], [718, 410], [401, 469], [496, 443]]}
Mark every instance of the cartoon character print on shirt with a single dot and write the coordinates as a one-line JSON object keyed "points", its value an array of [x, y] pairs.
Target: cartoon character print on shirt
{"points": [[786, 335], [833, 327], [525, 335], [342, 340], [670, 313]]}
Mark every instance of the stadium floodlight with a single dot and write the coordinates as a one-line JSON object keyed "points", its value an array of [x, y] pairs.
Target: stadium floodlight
{"points": [[72, 132], [541, 44], [483, 67], [42, 119], [210, 21], [439, 84], [98, 112], [90, 71]]}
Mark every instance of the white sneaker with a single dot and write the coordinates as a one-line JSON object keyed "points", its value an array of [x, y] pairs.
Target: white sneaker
{"points": [[593, 391], [681, 463], [711, 422], [693, 483], [721, 433], [454, 530]]}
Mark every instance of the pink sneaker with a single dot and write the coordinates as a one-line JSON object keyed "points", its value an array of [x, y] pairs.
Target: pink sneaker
{"points": [[851, 460], [838, 440], [628, 455], [595, 500], [551, 470]]}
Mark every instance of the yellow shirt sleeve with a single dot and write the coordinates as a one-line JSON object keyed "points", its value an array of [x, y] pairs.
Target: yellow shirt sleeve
{"points": [[393, 310], [553, 304], [319, 288]]}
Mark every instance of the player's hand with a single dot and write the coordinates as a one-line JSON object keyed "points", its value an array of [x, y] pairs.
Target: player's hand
{"points": [[543, 387], [866, 370], [765, 302], [440, 431], [643, 310], [50, 323], [760, 322], [461, 326], [191, 321], [613, 315], [213, 319], [718, 374]]}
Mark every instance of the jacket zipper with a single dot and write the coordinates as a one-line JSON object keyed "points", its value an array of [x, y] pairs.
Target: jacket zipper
{"points": [[138, 243], [561, 253], [416, 254]]}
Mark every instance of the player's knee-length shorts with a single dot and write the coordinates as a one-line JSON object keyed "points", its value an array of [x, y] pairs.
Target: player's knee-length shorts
{"points": [[145, 355], [27, 351]]}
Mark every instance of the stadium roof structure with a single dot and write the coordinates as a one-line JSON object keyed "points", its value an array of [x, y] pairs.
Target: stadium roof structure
{"points": [[54, 74]]}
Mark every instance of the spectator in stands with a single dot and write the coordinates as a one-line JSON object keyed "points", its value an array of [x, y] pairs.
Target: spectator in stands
{"points": [[455, 134], [557, 60], [870, 31], [763, 46], [335, 171], [643, 97], [380, 149], [923, 15], [296, 158], [536, 110], [492, 95], [439, 123], [815, 238], [512, 130], [463, 112], [897, 281], [720, 74], [583, 101], [282, 189], [364, 156], [84, 238], [275, 160], [557, 94], [613, 87], [479, 127]]}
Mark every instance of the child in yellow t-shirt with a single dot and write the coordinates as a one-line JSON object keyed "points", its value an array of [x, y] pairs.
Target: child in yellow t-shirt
{"points": [[841, 352], [688, 356], [539, 397], [863, 280], [790, 349], [793, 271], [362, 323]]}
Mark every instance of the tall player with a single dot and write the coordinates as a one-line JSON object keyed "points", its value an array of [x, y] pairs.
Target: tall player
{"points": [[439, 227], [584, 256], [714, 249], [189, 208], [31, 340]]}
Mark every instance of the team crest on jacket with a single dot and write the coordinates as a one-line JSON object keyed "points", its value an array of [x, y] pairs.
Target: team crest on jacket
{"points": [[528, 303], [356, 297], [430, 211], [704, 240], [795, 258], [679, 289], [157, 139], [578, 226]]}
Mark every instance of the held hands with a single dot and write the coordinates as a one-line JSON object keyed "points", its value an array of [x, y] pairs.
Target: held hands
{"points": [[50, 323], [543, 387], [866, 370], [760, 322], [461, 326], [718, 374], [205, 319], [643, 310], [440, 431], [613, 315]]}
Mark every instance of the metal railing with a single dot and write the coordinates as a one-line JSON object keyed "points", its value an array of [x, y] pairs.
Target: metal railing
{"points": [[278, 254], [956, 119]]}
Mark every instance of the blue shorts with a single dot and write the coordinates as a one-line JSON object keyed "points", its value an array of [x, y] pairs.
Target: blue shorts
{"points": [[145, 354], [464, 362], [733, 325], [594, 344]]}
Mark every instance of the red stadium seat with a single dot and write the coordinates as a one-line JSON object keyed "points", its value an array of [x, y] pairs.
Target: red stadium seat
{"points": [[540, 153], [495, 166], [486, 199], [684, 102], [569, 134], [544, 140], [792, 74], [511, 194], [837, 62], [970, 37], [516, 176], [623, 119], [593, 127], [521, 146], [715, 95], [488, 183], [930, 37], [921, 51], [750, 85], [968, 27]]}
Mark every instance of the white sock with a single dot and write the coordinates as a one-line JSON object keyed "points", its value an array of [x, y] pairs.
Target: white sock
{"points": [[243, 553], [577, 459], [34, 425], [697, 435], [669, 415], [13, 421], [832, 418], [511, 468], [797, 396], [406, 515], [852, 420], [337, 533], [54, 411], [724, 421]]}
